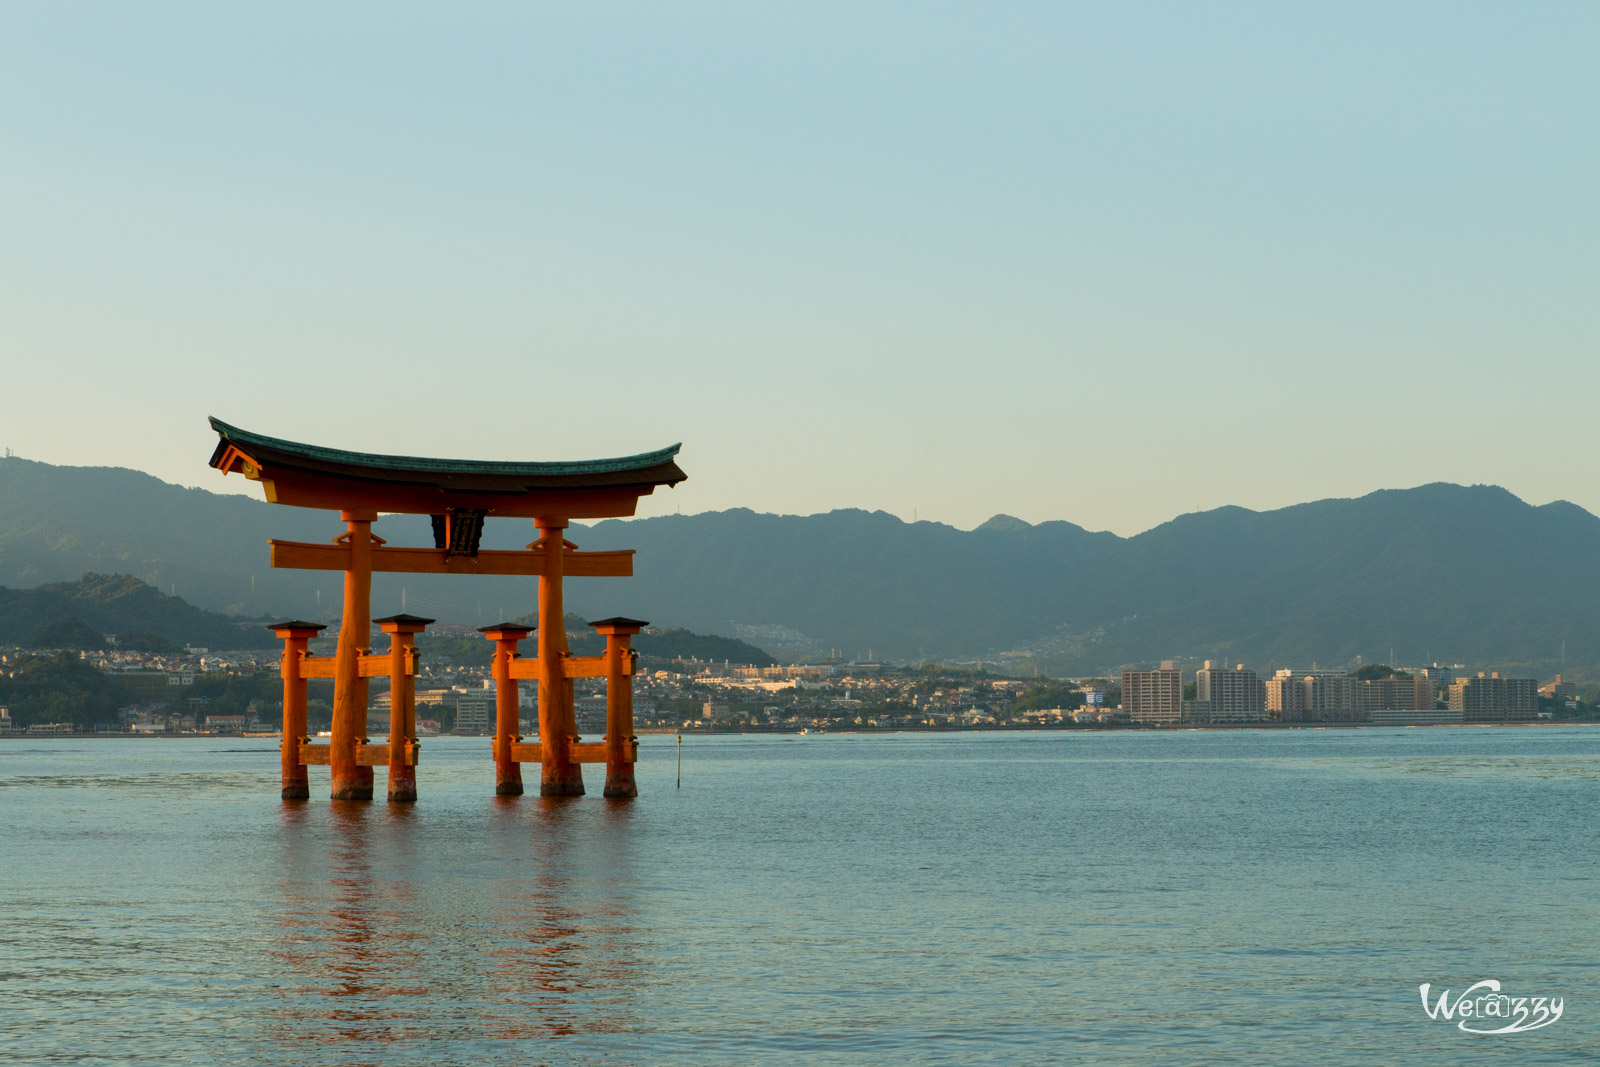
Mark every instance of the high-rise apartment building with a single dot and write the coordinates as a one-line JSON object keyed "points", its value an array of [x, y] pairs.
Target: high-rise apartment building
{"points": [[1495, 699], [1331, 696], [1230, 695], [1153, 696], [1285, 696], [475, 711], [1441, 676], [1397, 694], [1557, 689]]}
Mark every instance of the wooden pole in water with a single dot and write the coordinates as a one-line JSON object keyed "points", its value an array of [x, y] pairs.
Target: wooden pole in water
{"points": [[350, 781], [507, 771], [296, 635], [680, 761], [559, 776], [620, 740], [402, 631]]}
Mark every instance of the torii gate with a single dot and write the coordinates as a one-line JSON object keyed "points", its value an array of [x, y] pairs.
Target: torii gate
{"points": [[459, 495]]}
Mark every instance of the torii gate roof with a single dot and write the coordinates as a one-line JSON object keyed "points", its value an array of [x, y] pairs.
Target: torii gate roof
{"points": [[312, 476]]}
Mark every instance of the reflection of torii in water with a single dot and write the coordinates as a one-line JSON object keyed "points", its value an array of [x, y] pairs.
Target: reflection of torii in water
{"points": [[459, 495]]}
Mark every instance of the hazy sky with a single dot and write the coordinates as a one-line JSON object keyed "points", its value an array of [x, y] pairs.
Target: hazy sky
{"points": [[1105, 263]]}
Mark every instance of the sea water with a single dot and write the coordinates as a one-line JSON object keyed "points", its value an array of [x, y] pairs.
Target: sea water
{"points": [[1246, 896]]}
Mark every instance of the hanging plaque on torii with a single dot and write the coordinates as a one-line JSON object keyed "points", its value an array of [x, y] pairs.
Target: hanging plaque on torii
{"points": [[459, 495]]}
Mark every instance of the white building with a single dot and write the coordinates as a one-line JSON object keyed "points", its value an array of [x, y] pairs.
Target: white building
{"points": [[1332, 696], [1285, 696], [475, 712], [1230, 696], [1153, 696]]}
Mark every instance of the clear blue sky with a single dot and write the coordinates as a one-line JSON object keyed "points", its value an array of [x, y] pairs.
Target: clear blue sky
{"points": [[1105, 263]]}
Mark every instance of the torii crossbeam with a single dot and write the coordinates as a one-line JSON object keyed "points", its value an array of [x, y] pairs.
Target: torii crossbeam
{"points": [[459, 495]]}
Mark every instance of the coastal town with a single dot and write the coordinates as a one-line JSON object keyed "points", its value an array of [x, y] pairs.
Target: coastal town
{"points": [[197, 691]]}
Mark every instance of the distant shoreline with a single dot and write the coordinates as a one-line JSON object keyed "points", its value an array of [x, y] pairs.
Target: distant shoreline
{"points": [[1100, 728], [703, 731]]}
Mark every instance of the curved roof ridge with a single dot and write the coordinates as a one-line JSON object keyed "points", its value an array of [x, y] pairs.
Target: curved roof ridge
{"points": [[245, 440]]}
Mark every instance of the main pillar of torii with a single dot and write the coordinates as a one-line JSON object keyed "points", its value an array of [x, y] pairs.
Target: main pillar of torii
{"points": [[459, 495]]}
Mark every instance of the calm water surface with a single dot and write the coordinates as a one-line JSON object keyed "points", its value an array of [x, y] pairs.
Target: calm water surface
{"points": [[1206, 897]]}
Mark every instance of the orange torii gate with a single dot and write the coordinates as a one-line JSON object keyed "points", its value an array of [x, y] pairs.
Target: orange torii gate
{"points": [[459, 495]]}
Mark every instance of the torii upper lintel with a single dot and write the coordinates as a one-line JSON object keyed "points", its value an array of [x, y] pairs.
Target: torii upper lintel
{"points": [[311, 476]]}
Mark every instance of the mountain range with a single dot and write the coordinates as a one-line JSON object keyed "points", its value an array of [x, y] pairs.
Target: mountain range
{"points": [[1440, 572]]}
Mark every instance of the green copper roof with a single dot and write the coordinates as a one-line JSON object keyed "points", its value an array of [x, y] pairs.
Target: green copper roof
{"points": [[318, 457]]}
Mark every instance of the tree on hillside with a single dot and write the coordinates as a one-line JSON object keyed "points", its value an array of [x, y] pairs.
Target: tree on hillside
{"points": [[60, 688], [685, 644], [144, 618], [469, 651], [145, 641], [1050, 695], [232, 694], [1373, 672], [70, 632]]}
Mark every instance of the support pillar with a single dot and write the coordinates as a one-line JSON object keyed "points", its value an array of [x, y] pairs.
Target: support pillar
{"points": [[507, 771], [620, 739], [559, 775], [402, 631], [350, 781], [296, 636]]}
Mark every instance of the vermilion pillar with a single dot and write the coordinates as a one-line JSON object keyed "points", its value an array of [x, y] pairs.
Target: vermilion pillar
{"points": [[296, 636], [558, 726], [619, 704], [352, 782], [402, 631], [507, 771]]}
